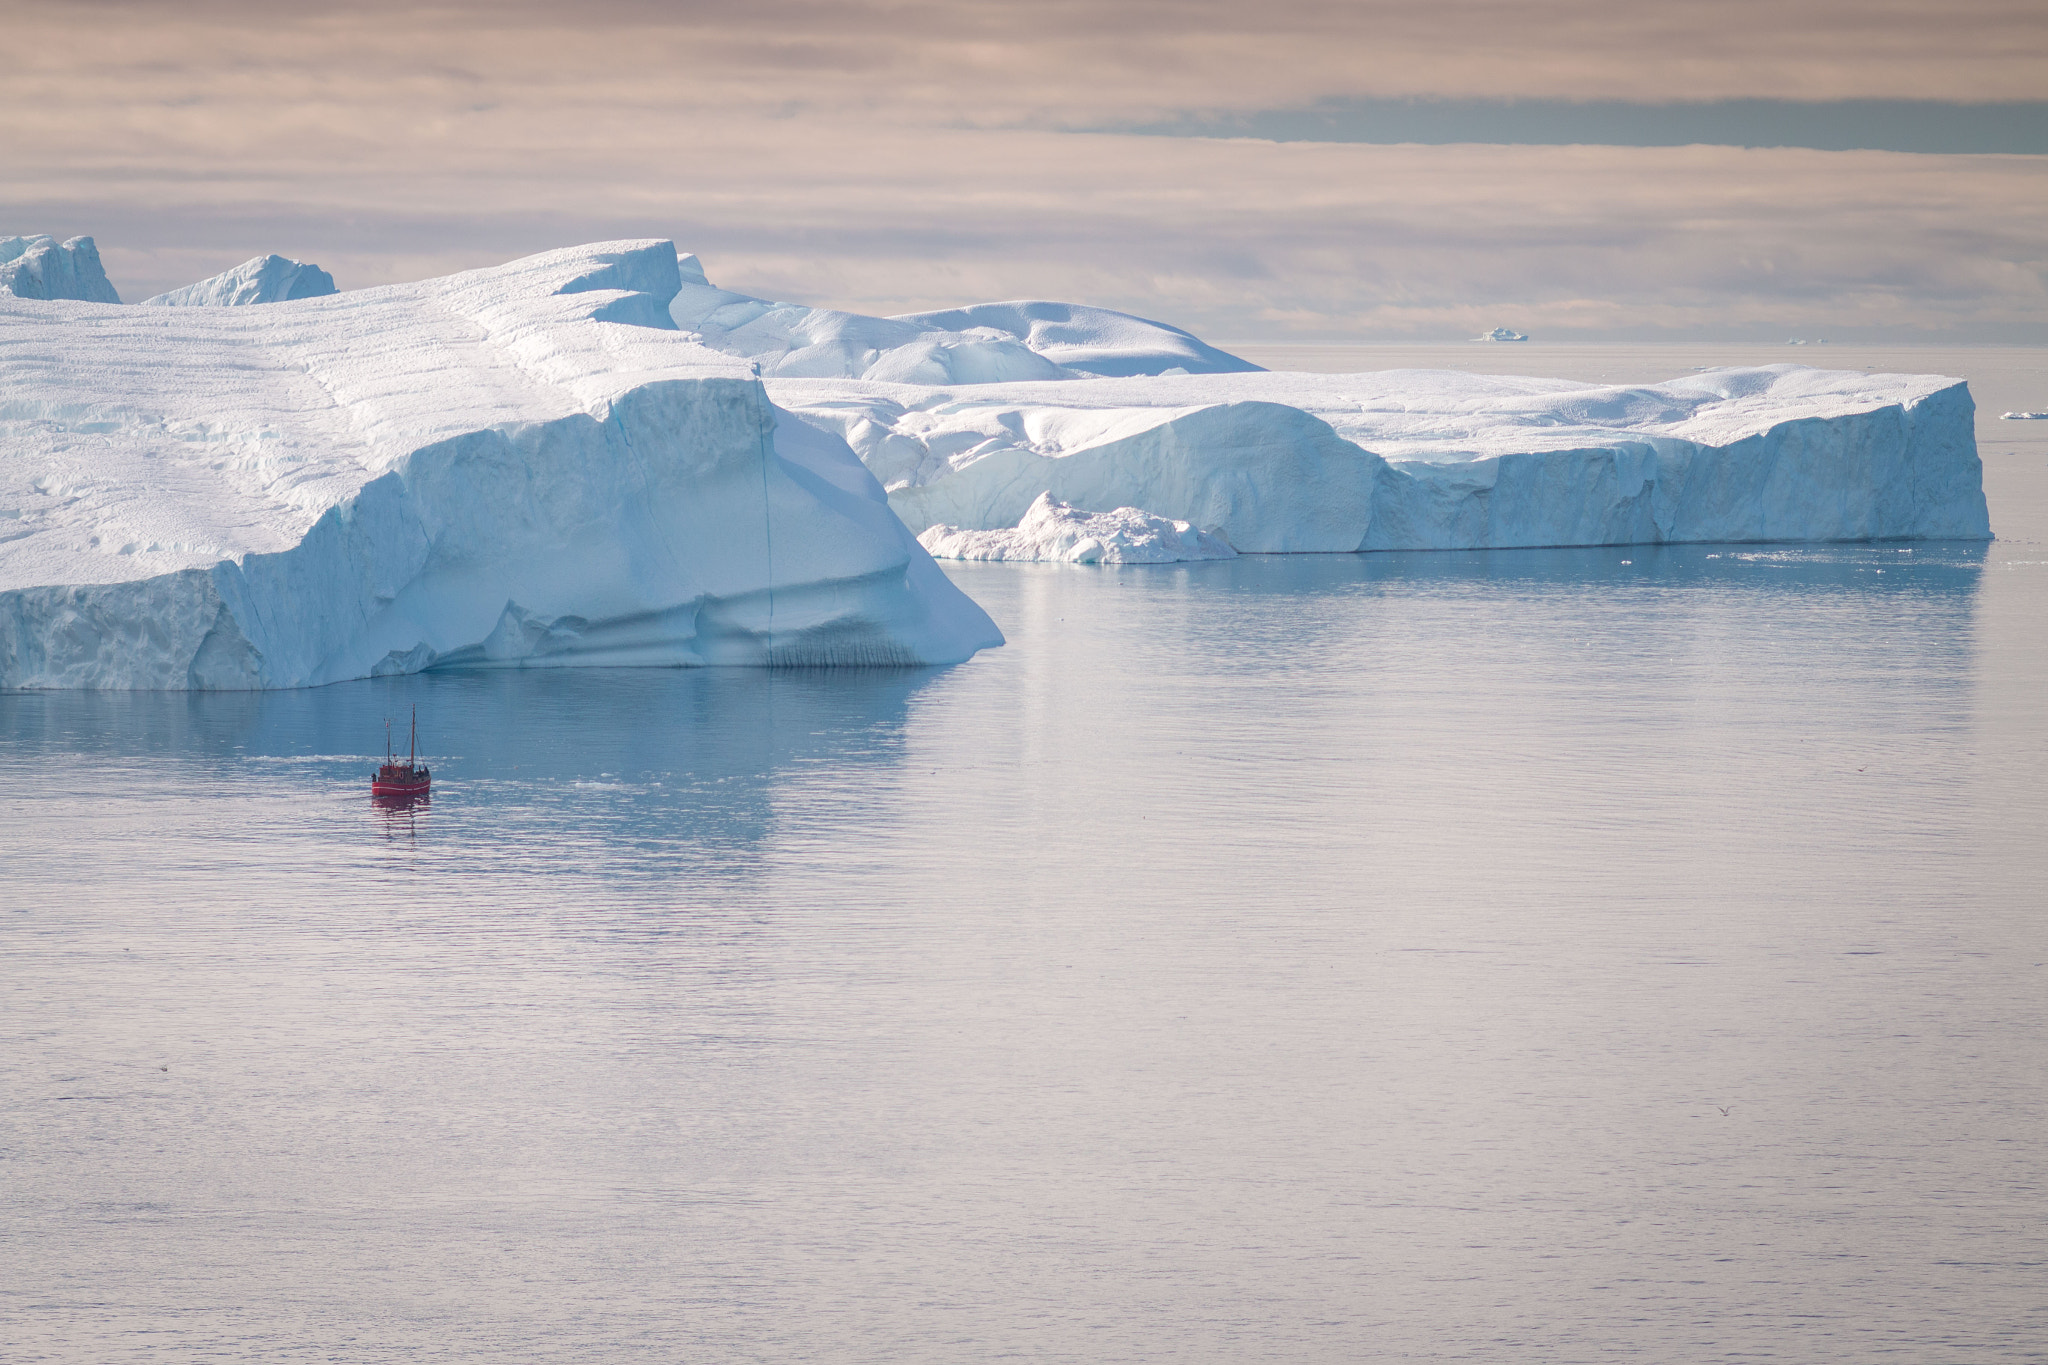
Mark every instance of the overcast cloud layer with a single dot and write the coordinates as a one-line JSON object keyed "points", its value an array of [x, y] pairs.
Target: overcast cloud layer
{"points": [[889, 157]]}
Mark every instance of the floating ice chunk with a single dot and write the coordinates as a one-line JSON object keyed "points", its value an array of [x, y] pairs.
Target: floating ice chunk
{"points": [[1502, 334], [489, 470], [265, 279], [1051, 530], [43, 268], [2023, 416]]}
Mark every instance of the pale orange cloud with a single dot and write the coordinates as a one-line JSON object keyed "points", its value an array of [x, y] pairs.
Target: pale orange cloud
{"points": [[893, 156]]}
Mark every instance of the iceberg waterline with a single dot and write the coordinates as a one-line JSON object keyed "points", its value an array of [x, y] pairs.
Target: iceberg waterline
{"points": [[523, 466], [531, 466]]}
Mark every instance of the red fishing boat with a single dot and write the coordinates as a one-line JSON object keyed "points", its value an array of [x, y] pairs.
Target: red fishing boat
{"points": [[405, 781]]}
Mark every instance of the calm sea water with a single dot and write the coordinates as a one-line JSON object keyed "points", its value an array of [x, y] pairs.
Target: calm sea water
{"points": [[1594, 955]]}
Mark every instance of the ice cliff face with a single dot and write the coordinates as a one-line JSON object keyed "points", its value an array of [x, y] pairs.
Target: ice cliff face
{"points": [[522, 466], [1429, 459], [985, 344], [1053, 531], [265, 279], [44, 268]]}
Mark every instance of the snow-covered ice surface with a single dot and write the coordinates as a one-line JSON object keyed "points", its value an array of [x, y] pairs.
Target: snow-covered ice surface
{"points": [[264, 279], [517, 466], [1427, 459], [42, 267], [985, 343], [1053, 531]]}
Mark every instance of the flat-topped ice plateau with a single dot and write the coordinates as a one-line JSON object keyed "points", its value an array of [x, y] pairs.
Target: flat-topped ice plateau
{"points": [[1427, 460], [518, 466]]}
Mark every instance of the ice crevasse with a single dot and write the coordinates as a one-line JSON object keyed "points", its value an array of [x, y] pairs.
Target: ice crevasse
{"points": [[521, 466]]}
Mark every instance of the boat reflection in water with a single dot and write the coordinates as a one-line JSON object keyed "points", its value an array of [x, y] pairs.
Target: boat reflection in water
{"points": [[402, 817], [401, 785]]}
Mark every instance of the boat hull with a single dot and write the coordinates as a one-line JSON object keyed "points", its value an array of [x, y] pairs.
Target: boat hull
{"points": [[398, 788], [400, 782]]}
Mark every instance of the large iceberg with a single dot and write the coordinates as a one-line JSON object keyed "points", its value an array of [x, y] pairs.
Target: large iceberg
{"points": [[1424, 460], [969, 415], [264, 279], [985, 343], [42, 267], [522, 466]]}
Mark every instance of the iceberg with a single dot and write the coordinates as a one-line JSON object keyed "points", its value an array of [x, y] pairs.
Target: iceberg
{"points": [[265, 279], [1089, 341], [43, 268], [1430, 460], [982, 344], [2023, 417], [967, 416], [525, 466], [1053, 531]]}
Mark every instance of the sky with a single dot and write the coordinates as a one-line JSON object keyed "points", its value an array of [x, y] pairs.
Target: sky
{"points": [[1289, 170]]}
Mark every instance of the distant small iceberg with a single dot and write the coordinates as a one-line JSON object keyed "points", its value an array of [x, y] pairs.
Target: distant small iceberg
{"points": [[41, 267], [1502, 334], [2023, 417]]}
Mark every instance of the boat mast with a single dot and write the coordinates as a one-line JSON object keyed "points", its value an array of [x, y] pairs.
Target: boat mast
{"points": [[389, 757], [412, 758]]}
